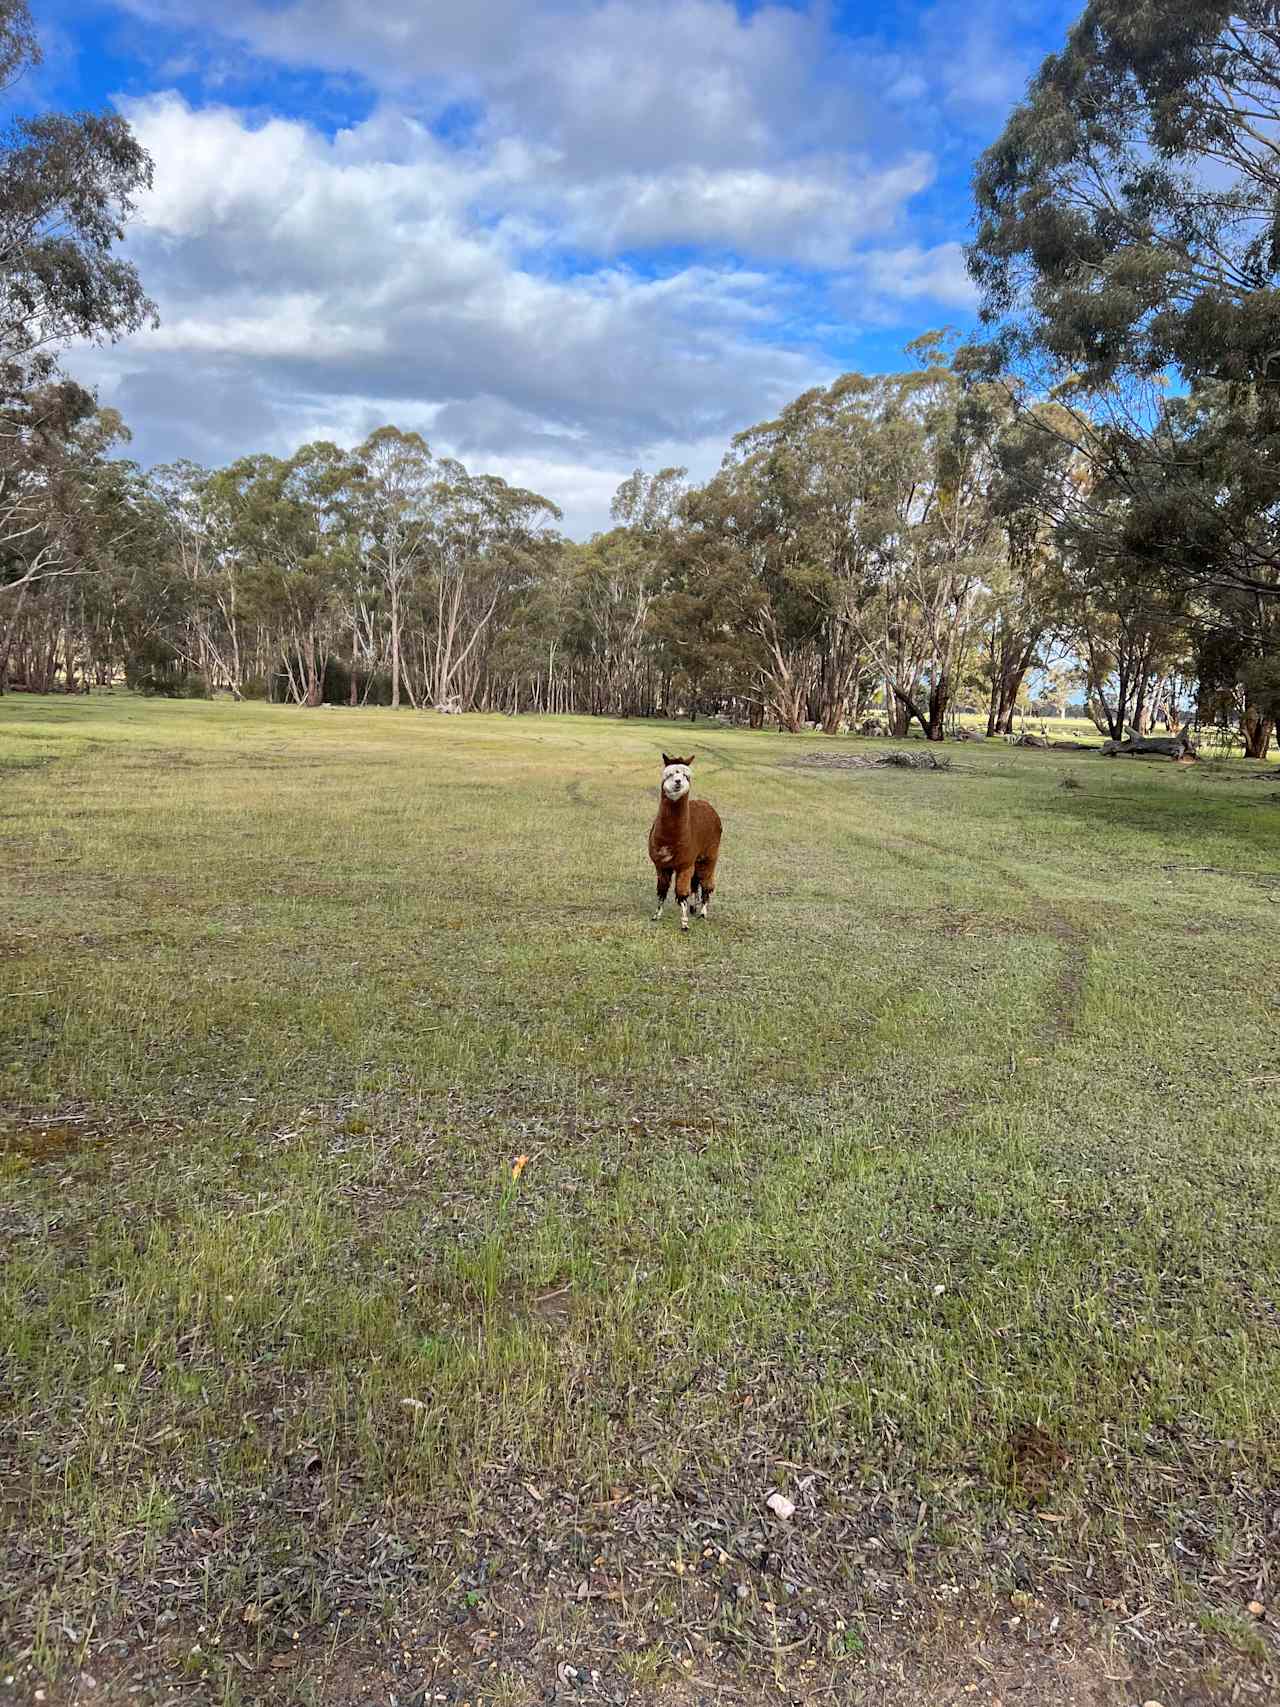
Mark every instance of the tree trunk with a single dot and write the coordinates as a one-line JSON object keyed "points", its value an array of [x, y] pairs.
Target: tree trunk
{"points": [[995, 708], [1004, 699], [1108, 723], [933, 720], [314, 671], [939, 700], [1161, 746], [237, 674], [1257, 731], [832, 713], [395, 645], [6, 647]]}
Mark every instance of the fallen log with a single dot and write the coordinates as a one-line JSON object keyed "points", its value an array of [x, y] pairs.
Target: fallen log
{"points": [[1177, 747]]}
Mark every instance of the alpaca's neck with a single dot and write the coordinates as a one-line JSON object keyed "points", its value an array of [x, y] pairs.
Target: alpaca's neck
{"points": [[673, 812]]}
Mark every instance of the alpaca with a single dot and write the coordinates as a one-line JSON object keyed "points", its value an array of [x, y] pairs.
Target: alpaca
{"points": [[684, 842]]}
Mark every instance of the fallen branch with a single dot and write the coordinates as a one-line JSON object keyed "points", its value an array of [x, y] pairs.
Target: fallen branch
{"points": [[1177, 747], [896, 759]]}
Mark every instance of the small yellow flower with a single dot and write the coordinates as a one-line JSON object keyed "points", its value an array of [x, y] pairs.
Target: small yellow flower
{"points": [[518, 1166]]}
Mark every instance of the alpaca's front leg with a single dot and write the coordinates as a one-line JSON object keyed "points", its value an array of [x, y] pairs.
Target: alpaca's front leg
{"points": [[684, 882], [664, 883]]}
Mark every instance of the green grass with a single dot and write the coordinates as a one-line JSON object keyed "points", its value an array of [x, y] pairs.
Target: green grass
{"points": [[940, 1167]]}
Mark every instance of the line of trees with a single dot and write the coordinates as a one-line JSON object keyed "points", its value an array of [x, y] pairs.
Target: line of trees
{"points": [[891, 549], [1043, 507], [885, 549]]}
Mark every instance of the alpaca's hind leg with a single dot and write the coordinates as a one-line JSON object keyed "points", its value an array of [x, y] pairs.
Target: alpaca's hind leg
{"points": [[664, 883], [707, 884]]}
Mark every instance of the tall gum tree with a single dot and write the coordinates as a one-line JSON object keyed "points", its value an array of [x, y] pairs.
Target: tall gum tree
{"points": [[489, 542], [288, 527], [68, 183], [393, 488], [1128, 237]]}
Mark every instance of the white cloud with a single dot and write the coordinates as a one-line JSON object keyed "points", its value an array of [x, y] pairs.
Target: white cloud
{"points": [[611, 84], [310, 288], [911, 274], [507, 281], [814, 216], [630, 124]]}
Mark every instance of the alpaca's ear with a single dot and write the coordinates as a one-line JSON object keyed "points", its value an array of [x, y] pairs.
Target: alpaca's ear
{"points": [[689, 760], [666, 761]]}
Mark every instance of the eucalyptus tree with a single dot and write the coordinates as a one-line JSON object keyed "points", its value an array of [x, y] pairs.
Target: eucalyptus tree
{"points": [[41, 494], [1236, 627], [127, 597], [1128, 628], [1127, 211], [67, 184], [614, 582], [58, 484], [1237, 666], [487, 547], [204, 568], [817, 472], [1127, 232], [914, 537], [740, 601], [1034, 468], [952, 545], [649, 504], [529, 663], [393, 493], [850, 539], [286, 524]]}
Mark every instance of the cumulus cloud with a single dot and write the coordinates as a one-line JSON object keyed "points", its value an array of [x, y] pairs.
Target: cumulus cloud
{"points": [[610, 84], [560, 244], [911, 274], [815, 216], [633, 123], [311, 287]]}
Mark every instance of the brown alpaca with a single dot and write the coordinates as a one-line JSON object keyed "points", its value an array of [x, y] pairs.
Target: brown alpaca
{"points": [[684, 842]]}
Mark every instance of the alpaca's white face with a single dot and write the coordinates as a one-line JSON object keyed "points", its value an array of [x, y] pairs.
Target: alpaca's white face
{"points": [[676, 782]]}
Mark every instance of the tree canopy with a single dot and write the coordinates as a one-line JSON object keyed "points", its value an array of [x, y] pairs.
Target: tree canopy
{"points": [[68, 182], [1128, 213]]}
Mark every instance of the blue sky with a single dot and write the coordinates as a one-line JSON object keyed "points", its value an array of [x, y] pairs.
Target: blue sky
{"points": [[561, 240]]}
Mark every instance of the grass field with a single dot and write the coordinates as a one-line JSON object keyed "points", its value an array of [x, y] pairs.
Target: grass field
{"points": [[933, 1184]]}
